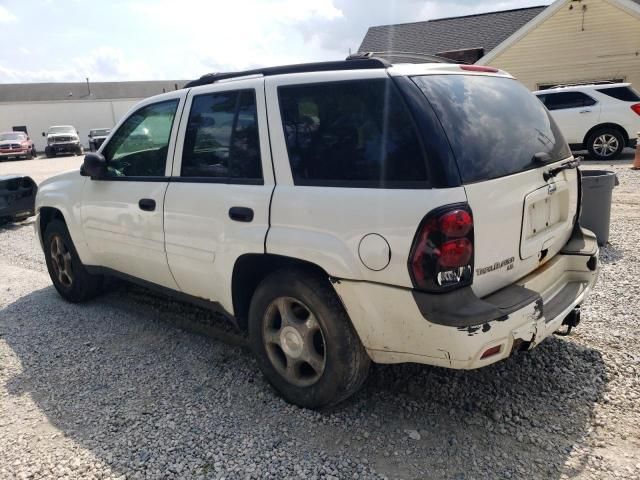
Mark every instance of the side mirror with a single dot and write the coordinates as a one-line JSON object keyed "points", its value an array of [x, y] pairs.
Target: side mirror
{"points": [[94, 166], [44, 134]]}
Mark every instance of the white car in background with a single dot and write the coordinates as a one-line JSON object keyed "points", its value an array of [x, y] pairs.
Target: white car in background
{"points": [[62, 139], [602, 118]]}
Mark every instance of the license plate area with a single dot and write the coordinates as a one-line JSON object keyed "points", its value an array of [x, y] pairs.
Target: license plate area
{"points": [[545, 214]]}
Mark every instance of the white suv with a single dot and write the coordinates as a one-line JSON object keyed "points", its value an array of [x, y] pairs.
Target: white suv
{"points": [[602, 118], [341, 212]]}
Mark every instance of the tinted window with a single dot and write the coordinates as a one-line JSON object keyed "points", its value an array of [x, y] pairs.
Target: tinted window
{"points": [[352, 133], [626, 94], [495, 125], [222, 137], [139, 147], [559, 101]]}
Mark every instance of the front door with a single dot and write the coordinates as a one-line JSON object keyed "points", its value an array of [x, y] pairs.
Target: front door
{"points": [[217, 204], [122, 214]]}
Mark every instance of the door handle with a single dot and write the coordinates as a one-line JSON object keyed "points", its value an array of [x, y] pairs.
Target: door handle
{"points": [[147, 204], [241, 214], [585, 111]]}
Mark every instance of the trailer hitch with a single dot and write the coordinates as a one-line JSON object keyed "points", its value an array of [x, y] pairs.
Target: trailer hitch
{"points": [[571, 320]]}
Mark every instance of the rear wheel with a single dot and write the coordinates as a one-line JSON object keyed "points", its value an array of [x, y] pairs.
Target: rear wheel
{"points": [[68, 274], [605, 144], [304, 341]]}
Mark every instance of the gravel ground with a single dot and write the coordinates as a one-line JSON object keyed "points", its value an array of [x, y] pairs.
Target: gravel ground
{"points": [[133, 385]]}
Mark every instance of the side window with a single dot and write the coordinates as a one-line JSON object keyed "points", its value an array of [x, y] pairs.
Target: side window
{"points": [[560, 101], [139, 147], [352, 134], [222, 140]]}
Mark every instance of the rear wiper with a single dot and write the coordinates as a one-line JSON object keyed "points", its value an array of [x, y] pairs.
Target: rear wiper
{"points": [[565, 166]]}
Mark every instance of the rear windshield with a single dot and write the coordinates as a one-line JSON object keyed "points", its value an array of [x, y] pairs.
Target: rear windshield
{"points": [[626, 94], [494, 124]]}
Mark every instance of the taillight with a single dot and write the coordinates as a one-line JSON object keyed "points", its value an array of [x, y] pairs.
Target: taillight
{"points": [[441, 256], [636, 108]]}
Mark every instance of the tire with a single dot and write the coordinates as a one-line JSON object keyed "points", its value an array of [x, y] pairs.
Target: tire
{"points": [[318, 329], [49, 153], [34, 154], [605, 144], [79, 151], [72, 281]]}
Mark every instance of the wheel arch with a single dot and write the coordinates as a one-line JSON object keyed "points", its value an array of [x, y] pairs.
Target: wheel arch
{"points": [[250, 269], [603, 126], [47, 215]]}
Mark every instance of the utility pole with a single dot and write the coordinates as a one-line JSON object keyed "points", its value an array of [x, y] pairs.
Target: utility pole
{"points": [[88, 87]]}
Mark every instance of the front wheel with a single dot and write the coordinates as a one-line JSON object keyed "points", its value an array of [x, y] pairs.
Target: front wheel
{"points": [[68, 274], [605, 144], [304, 341]]}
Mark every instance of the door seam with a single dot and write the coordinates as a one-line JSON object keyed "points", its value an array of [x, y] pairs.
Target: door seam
{"points": [[273, 169]]}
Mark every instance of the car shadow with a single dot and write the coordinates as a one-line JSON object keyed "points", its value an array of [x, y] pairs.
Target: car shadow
{"points": [[119, 378]]}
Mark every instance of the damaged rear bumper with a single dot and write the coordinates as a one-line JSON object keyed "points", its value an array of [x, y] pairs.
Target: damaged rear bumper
{"points": [[399, 325], [17, 196]]}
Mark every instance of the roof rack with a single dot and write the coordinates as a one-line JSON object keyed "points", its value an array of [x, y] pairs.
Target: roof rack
{"points": [[349, 64], [388, 54]]}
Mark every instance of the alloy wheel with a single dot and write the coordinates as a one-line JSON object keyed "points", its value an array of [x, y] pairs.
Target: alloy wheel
{"points": [[606, 145], [61, 261], [294, 341]]}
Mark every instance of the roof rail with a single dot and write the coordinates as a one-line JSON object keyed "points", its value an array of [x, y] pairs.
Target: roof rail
{"points": [[578, 84], [388, 54], [352, 64]]}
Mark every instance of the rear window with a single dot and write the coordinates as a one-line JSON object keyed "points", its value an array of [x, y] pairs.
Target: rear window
{"points": [[494, 124], [351, 134], [626, 94]]}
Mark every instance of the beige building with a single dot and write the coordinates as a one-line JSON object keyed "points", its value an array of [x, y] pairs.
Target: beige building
{"points": [[569, 41], [574, 41]]}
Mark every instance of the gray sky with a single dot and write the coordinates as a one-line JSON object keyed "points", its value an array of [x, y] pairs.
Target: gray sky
{"points": [[68, 40]]}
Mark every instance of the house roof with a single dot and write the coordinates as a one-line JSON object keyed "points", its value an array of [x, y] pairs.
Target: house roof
{"points": [[42, 92], [484, 30]]}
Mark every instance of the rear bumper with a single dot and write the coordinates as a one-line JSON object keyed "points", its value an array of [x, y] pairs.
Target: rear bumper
{"points": [[17, 197], [393, 327]]}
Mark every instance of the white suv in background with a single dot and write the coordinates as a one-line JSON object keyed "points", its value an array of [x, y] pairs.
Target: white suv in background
{"points": [[341, 212], [602, 118]]}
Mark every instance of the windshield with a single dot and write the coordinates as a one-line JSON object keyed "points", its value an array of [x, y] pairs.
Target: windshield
{"points": [[12, 136], [101, 132], [62, 130], [494, 124]]}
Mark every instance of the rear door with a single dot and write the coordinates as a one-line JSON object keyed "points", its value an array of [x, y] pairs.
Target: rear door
{"points": [[575, 112], [217, 204], [504, 140]]}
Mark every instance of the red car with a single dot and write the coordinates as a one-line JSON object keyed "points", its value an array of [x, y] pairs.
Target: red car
{"points": [[17, 145]]}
